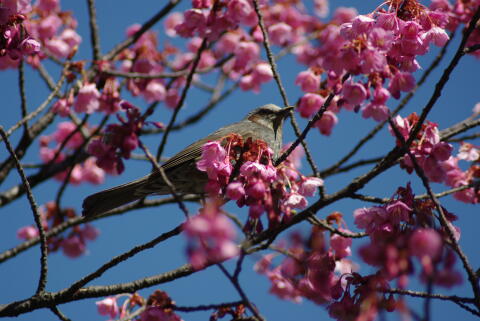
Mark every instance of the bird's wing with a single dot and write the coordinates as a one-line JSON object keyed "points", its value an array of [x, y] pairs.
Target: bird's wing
{"points": [[194, 150]]}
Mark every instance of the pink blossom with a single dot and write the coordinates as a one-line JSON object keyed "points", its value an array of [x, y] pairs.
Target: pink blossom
{"points": [[235, 190], [308, 81], [29, 46], [425, 242], [354, 93], [398, 211], [326, 123], [310, 104], [282, 287], [309, 186], [401, 81], [341, 246], [263, 265], [89, 232], [242, 11], [377, 112], [108, 306], [155, 91], [295, 200], [228, 42], [87, 99], [245, 54], [64, 130], [62, 107], [92, 173], [171, 22], [321, 8], [172, 98], [71, 37], [27, 232], [73, 246], [362, 24], [49, 26], [210, 235], [468, 152], [256, 189], [344, 14], [58, 47], [48, 5], [280, 34], [262, 72]]}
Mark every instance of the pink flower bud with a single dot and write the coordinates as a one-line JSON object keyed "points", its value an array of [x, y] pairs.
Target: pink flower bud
{"points": [[27, 232], [309, 104], [280, 33], [309, 186], [108, 306]]}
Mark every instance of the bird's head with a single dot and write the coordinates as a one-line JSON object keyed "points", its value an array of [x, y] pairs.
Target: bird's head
{"points": [[269, 115]]}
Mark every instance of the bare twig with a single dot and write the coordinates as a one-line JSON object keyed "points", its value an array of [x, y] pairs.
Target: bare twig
{"points": [[182, 98], [167, 181], [23, 96], [42, 282], [94, 34]]}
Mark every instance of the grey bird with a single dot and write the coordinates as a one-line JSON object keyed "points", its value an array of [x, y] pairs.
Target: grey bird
{"points": [[264, 123]]}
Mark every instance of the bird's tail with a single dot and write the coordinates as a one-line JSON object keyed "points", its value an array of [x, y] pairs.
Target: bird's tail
{"points": [[109, 199]]}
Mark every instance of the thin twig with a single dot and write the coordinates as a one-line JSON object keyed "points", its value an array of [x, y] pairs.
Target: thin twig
{"points": [[23, 96], [59, 313], [167, 181], [121, 258], [42, 282], [283, 93], [8, 254], [39, 109], [240, 291], [94, 33], [182, 98]]}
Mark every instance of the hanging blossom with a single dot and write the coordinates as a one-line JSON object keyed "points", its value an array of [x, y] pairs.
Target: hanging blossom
{"points": [[73, 243], [211, 236], [16, 42], [378, 50], [313, 266], [400, 233], [68, 135], [265, 189], [119, 140], [435, 158]]}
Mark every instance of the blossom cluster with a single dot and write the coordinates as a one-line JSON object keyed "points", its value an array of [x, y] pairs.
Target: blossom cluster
{"points": [[16, 41], [434, 156], [69, 136], [73, 243], [211, 236], [119, 140], [158, 307], [312, 267], [399, 232], [37, 30], [242, 170]]}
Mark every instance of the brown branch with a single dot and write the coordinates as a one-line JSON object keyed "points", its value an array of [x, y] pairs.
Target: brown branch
{"points": [[8, 254], [94, 33], [182, 98], [42, 282]]}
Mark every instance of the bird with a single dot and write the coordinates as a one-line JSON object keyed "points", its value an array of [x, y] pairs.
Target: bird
{"points": [[263, 123]]}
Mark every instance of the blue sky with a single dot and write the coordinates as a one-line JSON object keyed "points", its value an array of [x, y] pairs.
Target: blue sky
{"points": [[18, 277]]}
